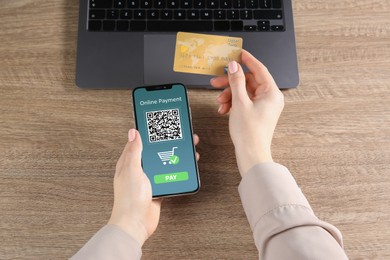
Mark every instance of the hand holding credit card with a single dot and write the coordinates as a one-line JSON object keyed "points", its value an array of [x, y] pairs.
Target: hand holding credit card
{"points": [[205, 54]]}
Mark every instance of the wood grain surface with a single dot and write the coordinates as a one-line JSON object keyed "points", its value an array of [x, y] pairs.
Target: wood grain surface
{"points": [[59, 144]]}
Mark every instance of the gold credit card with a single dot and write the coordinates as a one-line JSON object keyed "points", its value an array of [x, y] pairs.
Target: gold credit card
{"points": [[205, 54]]}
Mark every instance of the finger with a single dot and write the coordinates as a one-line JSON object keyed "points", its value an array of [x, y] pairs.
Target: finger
{"points": [[133, 150], [196, 139], [225, 96], [251, 85], [196, 142], [135, 146], [260, 72], [224, 108], [155, 206], [219, 82], [158, 201], [237, 83]]}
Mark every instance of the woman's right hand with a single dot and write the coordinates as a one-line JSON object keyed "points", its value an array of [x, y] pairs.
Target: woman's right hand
{"points": [[255, 104]]}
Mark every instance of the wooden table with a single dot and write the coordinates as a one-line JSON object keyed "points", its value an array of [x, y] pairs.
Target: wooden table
{"points": [[59, 144]]}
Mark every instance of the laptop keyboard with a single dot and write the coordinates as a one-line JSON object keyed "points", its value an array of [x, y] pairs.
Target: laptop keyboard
{"points": [[186, 15]]}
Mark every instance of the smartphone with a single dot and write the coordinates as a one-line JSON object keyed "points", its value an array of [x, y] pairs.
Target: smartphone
{"points": [[163, 119]]}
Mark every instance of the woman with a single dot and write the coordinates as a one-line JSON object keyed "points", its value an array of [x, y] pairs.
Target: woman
{"points": [[284, 225]]}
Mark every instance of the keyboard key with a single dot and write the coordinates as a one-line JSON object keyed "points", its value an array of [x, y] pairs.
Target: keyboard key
{"points": [[250, 27], [277, 4], [146, 4], [173, 3], [94, 25], [252, 4], [166, 14], [265, 4], [112, 14], [221, 26], [206, 14], [109, 25], [137, 25], [212, 4], [119, 3], [180, 26], [159, 4], [193, 14], [219, 14], [139, 15], [238, 3], [246, 14], [125, 14], [152, 14], [232, 14], [277, 28], [260, 23], [236, 25], [97, 14], [179, 14], [186, 4], [268, 14], [133, 4], [263, 25], [100, 3], [263, 28], [122, 25], [199, 4], [226, 3]]}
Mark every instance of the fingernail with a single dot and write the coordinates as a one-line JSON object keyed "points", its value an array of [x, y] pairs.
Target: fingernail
{"points": [[233, 67], [131, 135], [220, 108], [219, 95], [211, 80]]}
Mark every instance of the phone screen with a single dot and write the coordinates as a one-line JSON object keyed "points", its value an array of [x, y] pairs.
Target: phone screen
{"points": [[168, 158]]}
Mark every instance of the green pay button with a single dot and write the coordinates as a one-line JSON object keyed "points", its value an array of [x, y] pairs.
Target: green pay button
{"points": [[170, 177]]}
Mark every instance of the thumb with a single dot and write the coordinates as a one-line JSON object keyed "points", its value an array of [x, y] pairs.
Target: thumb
{"points": [[237, 82], [133, 149]]}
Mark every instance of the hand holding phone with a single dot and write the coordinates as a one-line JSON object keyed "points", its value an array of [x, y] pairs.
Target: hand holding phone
{"points": [[162, 117]]}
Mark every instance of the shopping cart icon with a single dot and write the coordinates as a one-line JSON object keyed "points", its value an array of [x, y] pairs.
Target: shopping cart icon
{"points": [[168, 156]]}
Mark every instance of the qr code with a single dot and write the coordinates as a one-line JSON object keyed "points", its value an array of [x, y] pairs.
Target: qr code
{"points": [[163, 125]]}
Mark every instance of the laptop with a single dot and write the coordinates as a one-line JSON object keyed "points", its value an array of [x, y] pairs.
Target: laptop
{"points": [[123, 44]]}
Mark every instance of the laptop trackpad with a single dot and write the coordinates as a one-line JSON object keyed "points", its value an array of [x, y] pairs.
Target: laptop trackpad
{"points": [[159, 52]]}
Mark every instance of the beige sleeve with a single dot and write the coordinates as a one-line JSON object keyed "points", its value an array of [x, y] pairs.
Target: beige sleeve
{"points": [[284, 225], [110, 242]]}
